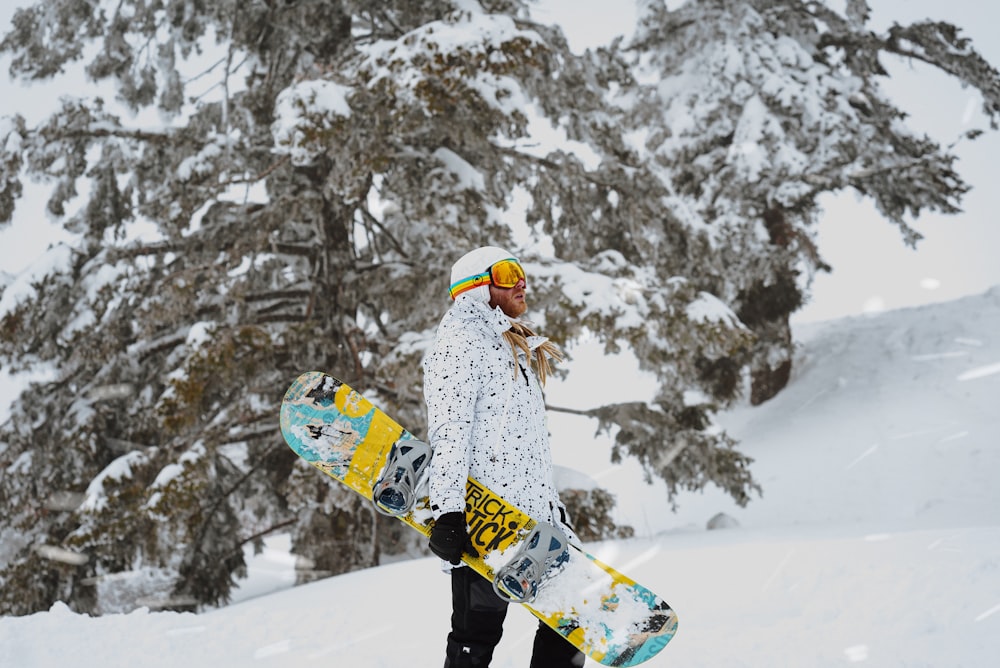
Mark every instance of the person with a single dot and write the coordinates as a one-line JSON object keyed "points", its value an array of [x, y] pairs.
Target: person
{"points": [[486, 418]]}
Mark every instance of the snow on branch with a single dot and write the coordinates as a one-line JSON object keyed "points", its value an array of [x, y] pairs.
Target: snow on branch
{"points": [[940, 44]]}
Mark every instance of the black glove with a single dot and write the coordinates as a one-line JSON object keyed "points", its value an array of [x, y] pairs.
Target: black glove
{"points": [[450, 538]]}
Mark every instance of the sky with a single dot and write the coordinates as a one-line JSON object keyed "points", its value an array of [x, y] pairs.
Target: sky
{"points": [[876, 541], [873, 269]]}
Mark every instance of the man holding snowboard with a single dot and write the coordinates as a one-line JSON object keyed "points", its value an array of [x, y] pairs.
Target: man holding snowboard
{"points": [[486, 418]]}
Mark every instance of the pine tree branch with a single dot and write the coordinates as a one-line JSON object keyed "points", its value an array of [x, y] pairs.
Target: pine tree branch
{"points": [[259, 176], [554, 166], [290, 294], [303, 250], [286, 318], [104, 132], [591, 413], [160, 345], [270, 529], [131, 252], [267, 430], [377, 223]]}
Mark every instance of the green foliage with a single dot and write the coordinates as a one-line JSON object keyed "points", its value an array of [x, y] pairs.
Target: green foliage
{"points": [[213, 377], [590, 511]]}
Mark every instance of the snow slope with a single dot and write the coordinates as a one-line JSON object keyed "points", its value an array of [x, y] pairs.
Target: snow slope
{"points": [[876, 542]]}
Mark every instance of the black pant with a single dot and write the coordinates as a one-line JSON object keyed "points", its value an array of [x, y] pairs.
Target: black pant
{"points": [[477, 624]]}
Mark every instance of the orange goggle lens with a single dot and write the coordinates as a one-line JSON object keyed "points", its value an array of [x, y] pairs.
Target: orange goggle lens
{"points": [[503, 274], [506, 273]]}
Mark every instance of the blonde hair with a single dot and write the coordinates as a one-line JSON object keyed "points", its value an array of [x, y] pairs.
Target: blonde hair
{"points": [[517, 337]]}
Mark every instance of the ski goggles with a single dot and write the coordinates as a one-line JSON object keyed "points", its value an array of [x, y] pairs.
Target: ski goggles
{"points": [[503, 274]]}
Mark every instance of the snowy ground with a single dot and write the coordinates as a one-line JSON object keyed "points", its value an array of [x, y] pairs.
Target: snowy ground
{"points": [[877, 541]]}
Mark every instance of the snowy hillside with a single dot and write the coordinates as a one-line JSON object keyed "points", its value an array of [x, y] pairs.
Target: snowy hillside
{"points": [[877, 540]]}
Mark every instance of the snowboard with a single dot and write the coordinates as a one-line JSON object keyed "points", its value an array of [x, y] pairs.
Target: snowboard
{"points": [[607, 615]]}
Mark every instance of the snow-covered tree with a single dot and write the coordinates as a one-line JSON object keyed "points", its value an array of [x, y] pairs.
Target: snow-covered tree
{"points": [[316, 169], [753, 109]]}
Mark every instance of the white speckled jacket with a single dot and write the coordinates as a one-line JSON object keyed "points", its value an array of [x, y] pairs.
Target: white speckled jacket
{"points": [[486, 415]]}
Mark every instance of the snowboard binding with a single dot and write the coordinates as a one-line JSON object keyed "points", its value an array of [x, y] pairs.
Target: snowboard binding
{"points": [[540, 557], [395, 492]]}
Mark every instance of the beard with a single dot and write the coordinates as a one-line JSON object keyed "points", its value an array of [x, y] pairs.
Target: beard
{"points": [[512, 301]]}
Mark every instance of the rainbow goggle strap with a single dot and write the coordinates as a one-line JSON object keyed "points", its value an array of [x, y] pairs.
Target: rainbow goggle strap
{"points": [[503, 274]]}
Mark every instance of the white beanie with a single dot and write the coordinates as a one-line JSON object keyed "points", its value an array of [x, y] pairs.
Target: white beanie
{"points": [[473, 264]]}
